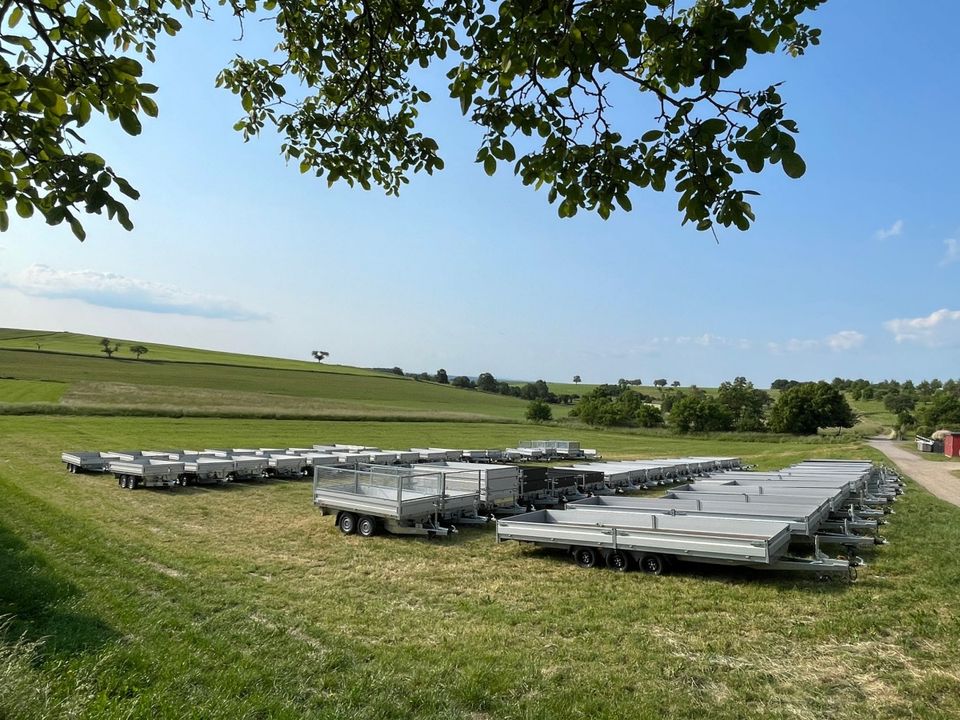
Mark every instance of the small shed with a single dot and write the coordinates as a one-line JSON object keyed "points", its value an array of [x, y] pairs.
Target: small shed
{"points": [[951, 444]]}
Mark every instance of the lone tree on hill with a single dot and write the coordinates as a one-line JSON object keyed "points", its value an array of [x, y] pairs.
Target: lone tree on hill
{"points": [[442, 377], [320, 355], [108, 348], [544, 75], [576, 379], [139, 350]]}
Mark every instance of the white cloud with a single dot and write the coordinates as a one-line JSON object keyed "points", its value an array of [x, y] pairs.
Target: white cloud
{"points": [[952, 254], [708, 340], [939, 328], [892, 231], [845, 340], [839, 341], [118, 291]]}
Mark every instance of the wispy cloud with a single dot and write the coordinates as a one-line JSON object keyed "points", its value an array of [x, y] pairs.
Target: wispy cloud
{"points": [[939, 328], [838, 342], [125, 293], [845, 340], [892, 231], [952, 253]]}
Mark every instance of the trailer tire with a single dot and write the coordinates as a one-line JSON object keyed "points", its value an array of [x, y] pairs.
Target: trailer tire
{"points": [[133, 482], [653, 564], [347, 522], [585, 557], [618, 561], [119, 480], [366, 526]]}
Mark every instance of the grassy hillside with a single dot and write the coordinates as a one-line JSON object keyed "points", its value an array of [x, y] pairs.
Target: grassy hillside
{"points": [[77, 344], [243, 602], [78, 376]]}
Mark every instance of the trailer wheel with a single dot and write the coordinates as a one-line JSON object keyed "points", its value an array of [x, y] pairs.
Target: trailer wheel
{"points": [[618, 561], [119, 480], [133, 482], [585, 557], [366, 526], [653, 564], [347, 522]]}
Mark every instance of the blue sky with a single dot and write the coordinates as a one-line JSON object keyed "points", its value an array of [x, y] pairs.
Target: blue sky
{"points": [[854, 270]]}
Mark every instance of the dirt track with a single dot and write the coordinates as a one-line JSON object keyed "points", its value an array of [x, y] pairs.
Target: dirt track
{"points": [[934, 476]]}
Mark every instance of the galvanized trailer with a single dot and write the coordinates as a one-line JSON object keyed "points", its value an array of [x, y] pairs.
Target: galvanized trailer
{"points": [[351, 458], [837, 497], [652, 541], [381, 457], [808, 521], [498, 485], [282, 465], [619, 475], [87, 462], [428, 455], [401, 500], [314, 457], [204, 469], [405, 457], [249, 467], [145, 472], [448, 453], [804, 519]]}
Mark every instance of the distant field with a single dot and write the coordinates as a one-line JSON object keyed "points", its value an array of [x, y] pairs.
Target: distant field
{"points": [[63, 342], [101, 382], [244, 602], [31, 391]]}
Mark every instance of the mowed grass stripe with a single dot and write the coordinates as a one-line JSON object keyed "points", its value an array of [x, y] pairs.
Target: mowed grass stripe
{"points": [[384, 391], [31, 391]]}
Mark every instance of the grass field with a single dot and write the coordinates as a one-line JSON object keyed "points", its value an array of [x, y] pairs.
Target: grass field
{"points": [[243, 602], [77, 344], [31, 391], [99, 382]]}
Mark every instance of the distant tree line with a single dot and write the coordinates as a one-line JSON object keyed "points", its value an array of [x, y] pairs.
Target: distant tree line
{"points": [[924, 407], [801, 409]]}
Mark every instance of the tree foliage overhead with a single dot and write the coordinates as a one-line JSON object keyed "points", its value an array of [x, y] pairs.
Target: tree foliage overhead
{"points": [[539, 79]]}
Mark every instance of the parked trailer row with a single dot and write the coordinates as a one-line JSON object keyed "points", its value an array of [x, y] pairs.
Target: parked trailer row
{"points": [[814, 504]]}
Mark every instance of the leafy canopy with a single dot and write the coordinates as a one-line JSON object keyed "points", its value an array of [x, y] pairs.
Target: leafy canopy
{"points": [[539, 78]]}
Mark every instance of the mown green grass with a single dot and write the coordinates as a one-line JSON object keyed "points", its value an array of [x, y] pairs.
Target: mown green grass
{"points": [[124, 383], [79, 344], [31, 391], [244, 602]]}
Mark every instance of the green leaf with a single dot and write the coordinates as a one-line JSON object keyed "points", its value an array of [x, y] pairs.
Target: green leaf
{"points": [[24, 207], [793, 165], [4, 221], [15, 16], [149, 106], [130, 122], [77, 228], [651, 136], [489, 165]]}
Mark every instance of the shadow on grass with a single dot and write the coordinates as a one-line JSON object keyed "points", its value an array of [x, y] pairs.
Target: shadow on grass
{"points": [[726, 574], [38, 599]]}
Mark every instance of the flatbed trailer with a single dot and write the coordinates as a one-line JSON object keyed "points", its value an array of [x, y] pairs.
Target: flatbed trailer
{"points": [[428, 455], [653, 541], [282, 465], [146, 472], [87, 462], [249, 467], [808, 521], [401, 500], [204, 469]]}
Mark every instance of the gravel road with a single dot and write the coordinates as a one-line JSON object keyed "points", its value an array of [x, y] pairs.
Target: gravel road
{"points": [[934, 476]]}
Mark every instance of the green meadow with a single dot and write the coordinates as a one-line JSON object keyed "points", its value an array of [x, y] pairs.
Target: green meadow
{"points": [[242, 601]]}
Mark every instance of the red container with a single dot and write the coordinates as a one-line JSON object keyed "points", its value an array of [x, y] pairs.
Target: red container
{"points": [[951, 445]]}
